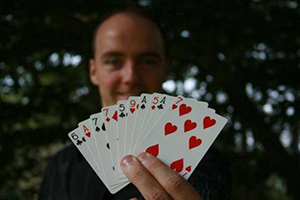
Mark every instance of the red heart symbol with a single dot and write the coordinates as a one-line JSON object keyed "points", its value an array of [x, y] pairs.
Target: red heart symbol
{"points": [[208, 122], [132, 110], [174, 106], [115, 116], [169, 128], [107, 119], [154, 150], [88, 134], [153, 107], [189, 125], [177, 165], [189, 168], [184, 109], [194, 142]]}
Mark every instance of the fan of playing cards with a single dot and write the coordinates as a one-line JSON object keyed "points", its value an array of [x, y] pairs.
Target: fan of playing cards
{"points": [[177, 130]]}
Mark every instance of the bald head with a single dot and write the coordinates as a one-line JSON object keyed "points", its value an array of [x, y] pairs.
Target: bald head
{"points": [[128, 22]]}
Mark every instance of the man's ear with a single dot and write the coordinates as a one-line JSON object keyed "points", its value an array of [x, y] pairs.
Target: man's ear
{"points": [[93, 72]]}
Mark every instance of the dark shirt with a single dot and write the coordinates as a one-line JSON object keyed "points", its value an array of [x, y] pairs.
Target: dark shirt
{"points": [[69, 176]]}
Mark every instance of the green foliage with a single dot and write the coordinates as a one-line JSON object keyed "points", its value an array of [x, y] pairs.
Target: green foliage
{"points": [[240, 56]]}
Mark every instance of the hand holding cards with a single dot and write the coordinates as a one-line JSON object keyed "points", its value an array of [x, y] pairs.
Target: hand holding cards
{"points": [[176, 130]]}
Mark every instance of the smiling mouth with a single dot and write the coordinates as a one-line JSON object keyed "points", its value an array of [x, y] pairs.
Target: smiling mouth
{"points": [[125, 96]]}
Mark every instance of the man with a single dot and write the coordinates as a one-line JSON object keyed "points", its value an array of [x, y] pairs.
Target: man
{"points": [[129, 58]]}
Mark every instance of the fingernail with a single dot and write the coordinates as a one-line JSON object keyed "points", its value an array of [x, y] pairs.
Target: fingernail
{"points": [[127, 161], [143, 157]]}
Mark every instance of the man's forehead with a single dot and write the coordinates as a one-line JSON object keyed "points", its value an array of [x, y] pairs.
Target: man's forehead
{"points": [[129, 26]]}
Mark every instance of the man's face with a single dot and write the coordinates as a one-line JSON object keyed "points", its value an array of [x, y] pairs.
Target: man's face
{"points": [[128, 59]]}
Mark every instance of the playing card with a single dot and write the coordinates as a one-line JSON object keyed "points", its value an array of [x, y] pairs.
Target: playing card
{"points": [[122, 119], [110, 115], [79, 141], [133, 106], [86, 129], [157, 106], [183, 135], [105, 152], [96, 132], [140, 118], [100, 134], [158, 113]]}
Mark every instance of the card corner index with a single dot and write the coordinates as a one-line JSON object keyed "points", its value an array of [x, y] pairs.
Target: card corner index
{"points": [[76, 130]]}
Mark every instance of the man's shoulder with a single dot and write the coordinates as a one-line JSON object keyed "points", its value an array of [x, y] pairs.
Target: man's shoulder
{"points": [[66, 156], [66, 172], [211, 178], [215, 156], [214, 161]]}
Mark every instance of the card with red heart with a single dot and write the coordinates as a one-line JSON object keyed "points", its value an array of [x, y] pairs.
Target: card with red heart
{"points": [[183, 135], [142, 112], [156, 116], [111, 118], [133, 107]]}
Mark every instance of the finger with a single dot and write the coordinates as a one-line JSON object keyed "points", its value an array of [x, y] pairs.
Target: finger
{"points": [[142, 179], [134, 198], [175, 185]]}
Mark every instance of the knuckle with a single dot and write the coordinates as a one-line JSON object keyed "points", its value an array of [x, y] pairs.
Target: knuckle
{"points": [[154, 165], [137, 174], [174, 182], [158, 195]]}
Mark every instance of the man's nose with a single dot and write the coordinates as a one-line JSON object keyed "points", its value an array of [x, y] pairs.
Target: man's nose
{"points": [[130, 73]]}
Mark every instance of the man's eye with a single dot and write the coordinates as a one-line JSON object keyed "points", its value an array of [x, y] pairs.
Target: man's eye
{"points": [[150, 62], [113, 61]]}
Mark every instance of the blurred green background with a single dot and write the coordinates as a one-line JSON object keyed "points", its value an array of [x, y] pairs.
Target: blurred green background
{"points": [[243, 57]]}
